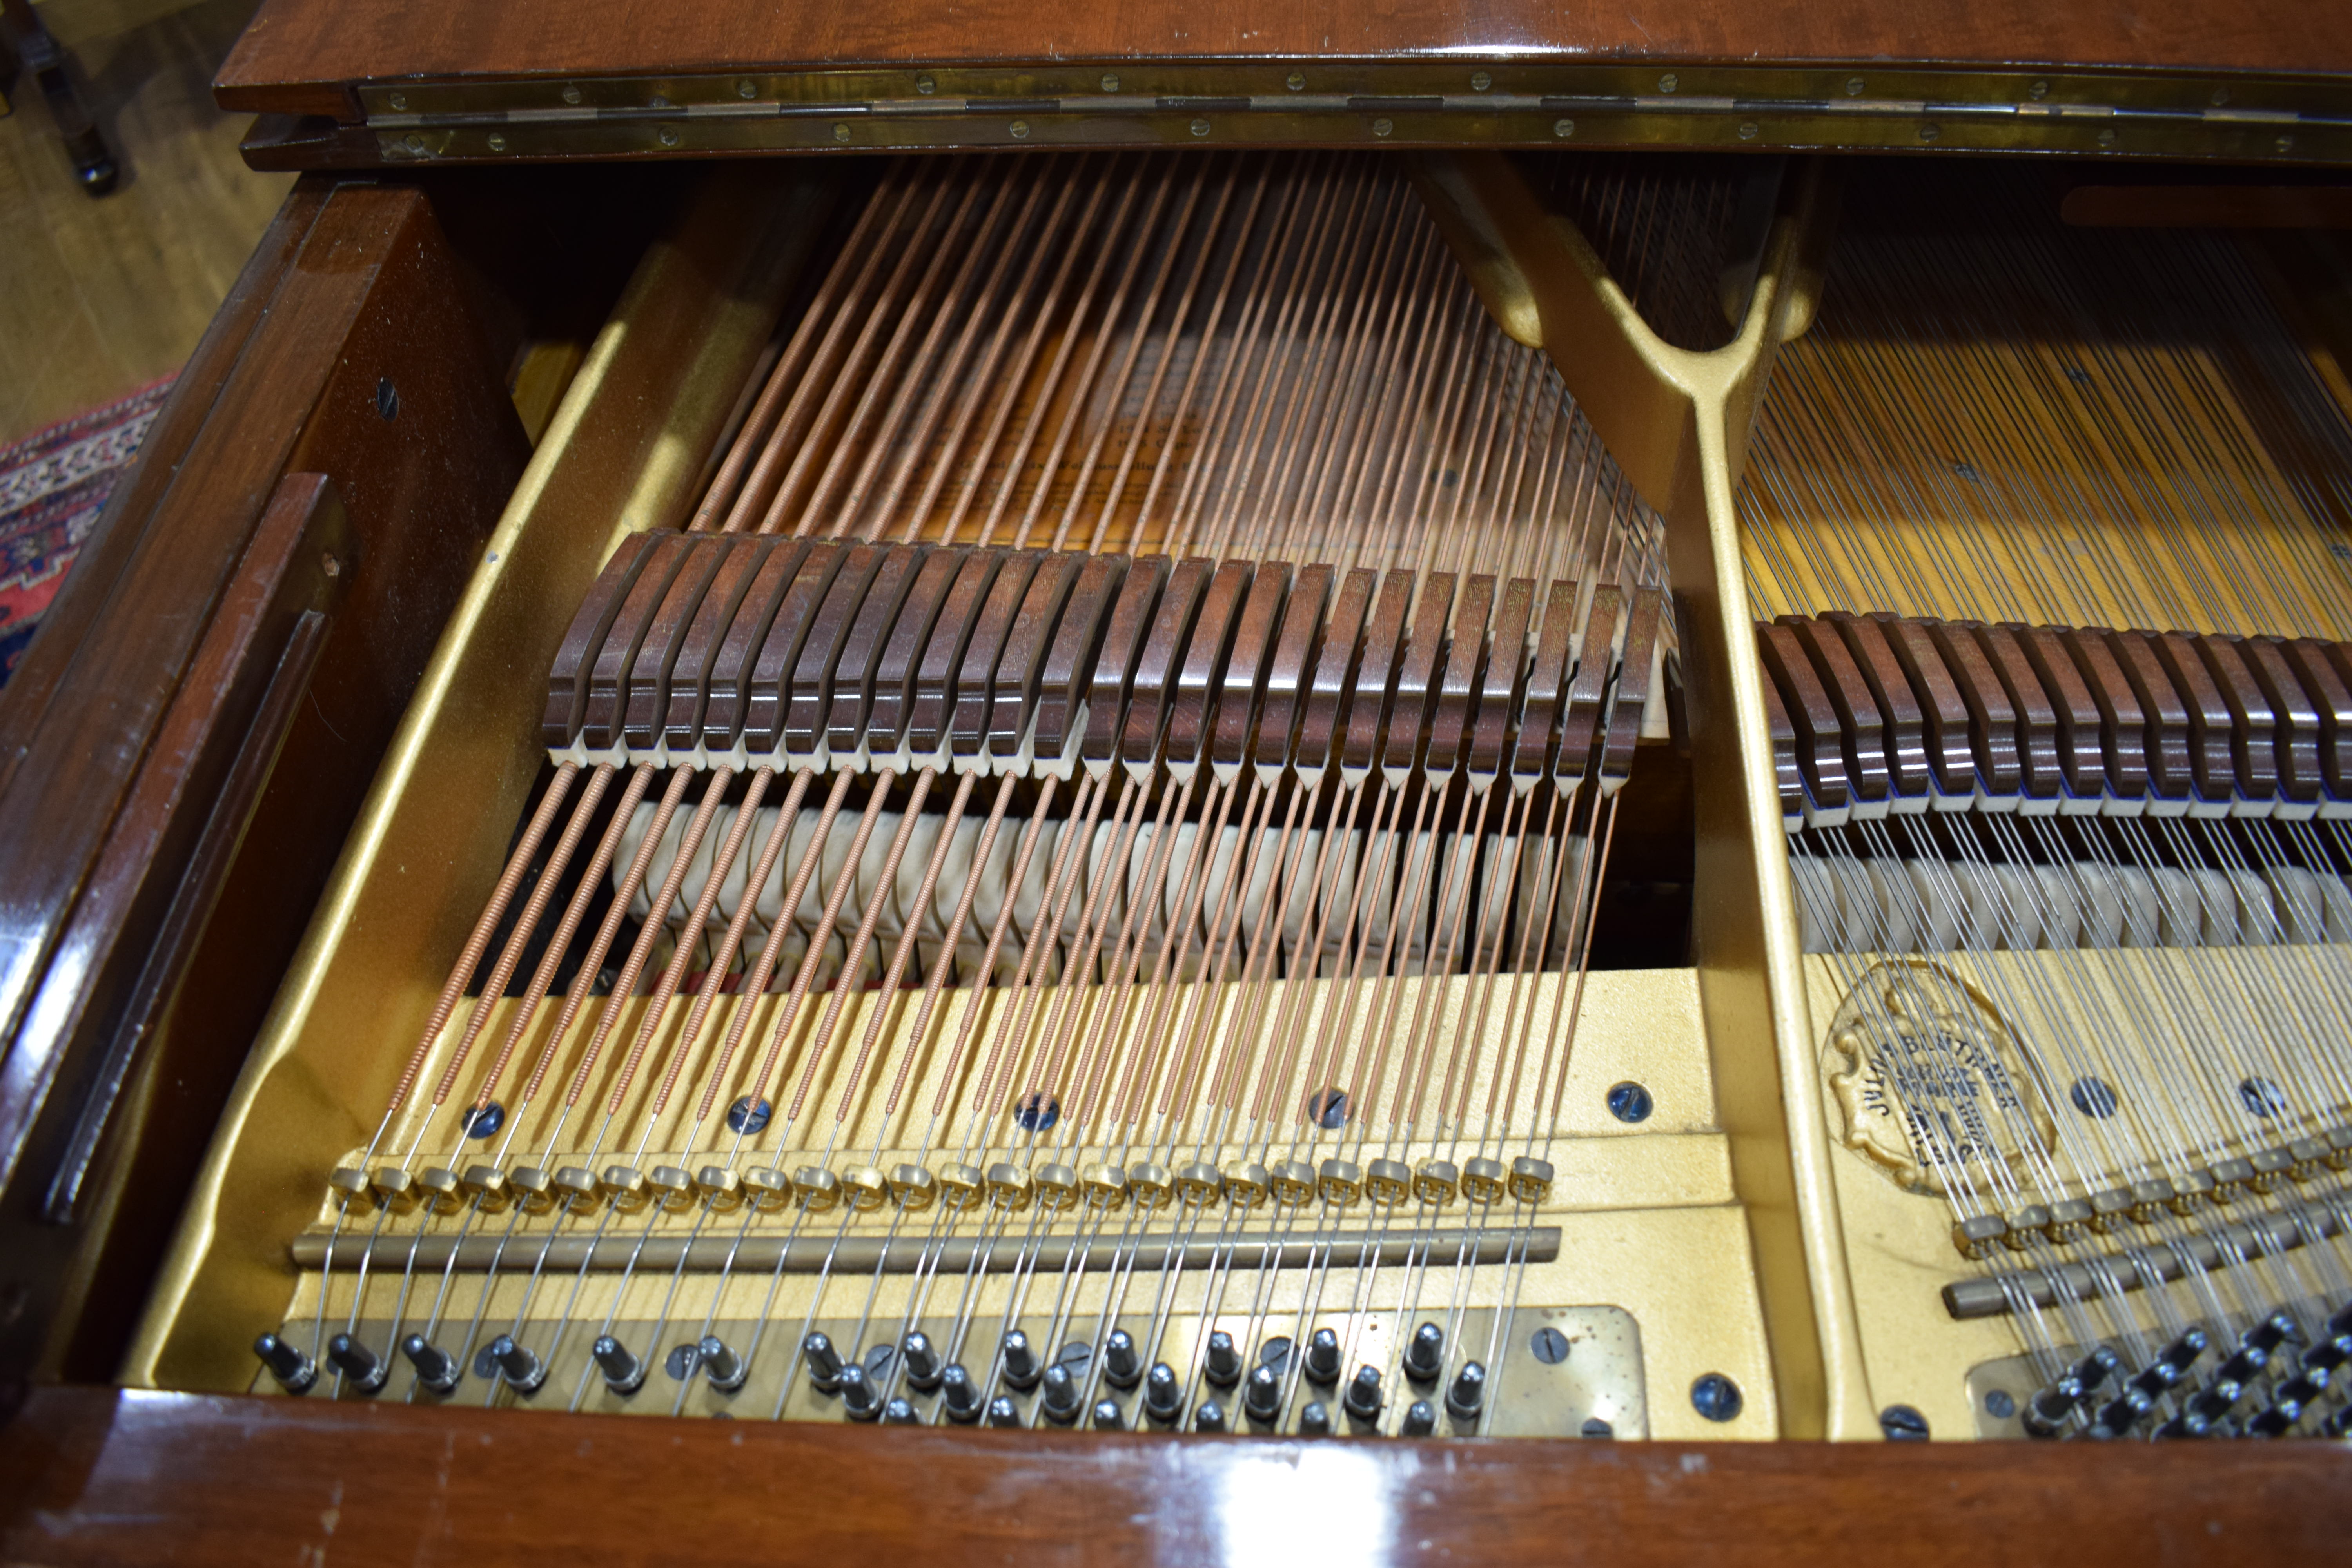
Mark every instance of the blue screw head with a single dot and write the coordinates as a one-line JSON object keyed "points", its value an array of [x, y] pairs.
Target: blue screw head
{"points": [[487, 1119], [2094, 1098], [1328, 1108], [1717, 1397], [1037, 1111], [1630, 1102], [2001, 1405], [748, 1115], [2262, 1097]]}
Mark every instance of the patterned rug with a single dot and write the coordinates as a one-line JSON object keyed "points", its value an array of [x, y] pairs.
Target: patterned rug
{"points": [[53, 484]]}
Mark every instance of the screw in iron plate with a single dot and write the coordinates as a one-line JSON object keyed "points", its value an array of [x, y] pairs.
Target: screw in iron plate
{"points": [[487, 1119], [1037, 1111], [1200, 128], [1630, 1102], [1110, 81], [1854, 86], [1550, 1346], [2094, 1096], [1668, 82], [1596, 1428], [1902, 1425], [1563, 128], [1296, 81], [1717, 1397], [1328, 1108], [1480, 82], [2262, 1097], [1383, 126], [746, 88], [748, 1115], [387, 399], [1999, 1405]]}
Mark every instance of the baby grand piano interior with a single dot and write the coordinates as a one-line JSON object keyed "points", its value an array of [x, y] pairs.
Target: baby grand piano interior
{"points": [[1311, 749]]}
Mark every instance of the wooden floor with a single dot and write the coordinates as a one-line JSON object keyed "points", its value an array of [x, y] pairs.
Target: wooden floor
{"points": [[97, 298]]}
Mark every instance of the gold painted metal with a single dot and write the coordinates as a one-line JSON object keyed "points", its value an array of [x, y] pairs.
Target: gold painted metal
{"points": [[489, 1187], [770, 1191], [1339, 1181], [1483, 1180], [722, 1188], [866, 1188], [1388, 1182], [533, 1190], [1530, 1179], [624, 452], [1677, 422], [1106, 1187], [817, 1189], [915, 1188]]}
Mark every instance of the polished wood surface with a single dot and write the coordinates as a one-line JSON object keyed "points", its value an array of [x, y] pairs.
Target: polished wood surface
{"points": [[100, 1477], [368, 366], [298, 54]]}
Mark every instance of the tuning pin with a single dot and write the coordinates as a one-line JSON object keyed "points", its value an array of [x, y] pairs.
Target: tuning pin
{"points": [[1467, 1397], [1420, 1420], [2045, 1414], [1424, 1358], [624, 1371], [436, 1369], [1021, 1368], [858, 1399], [2122, 1414], [360, 1367], [2271, 1332], [1261, 1401], [1314, 1421], [900, 1412], [1362, 1403], [1059, 1396], [2094, 1370], [2329, 1354], [521, 1368], [1323, 1359], [1106, 1416], [1209, 1417], [1002, 1413], [1122, 1368], [2168, 1369], [824, 1363], [921, 1359], [957, 1397], [2304, 1386], [1224, 1362], [2217, 1398], [294, 1371], [721, 1366], [2278, 1420], [1163, 1397]]}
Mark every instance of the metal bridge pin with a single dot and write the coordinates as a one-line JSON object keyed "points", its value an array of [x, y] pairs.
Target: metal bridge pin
{"points": [[1314, 1421], [519, 1367], [724, 1367], [959, 1400], [1060, 1395], [436, 1369], [1163, 1397], [1420, 1420], [294, 1371], [900, 1412], [624, 1371], [1021, 1368], [824, 1363], [1122, 1368], [1002, 1413], [361, 1366], [1362, 1403], [1424, 1358], [1106, 1416], [1224, 1362], [1467, 1399], [922, 1361], [1262, 1399], [1209, 1417], [1323, 1359], [859, 1397]]}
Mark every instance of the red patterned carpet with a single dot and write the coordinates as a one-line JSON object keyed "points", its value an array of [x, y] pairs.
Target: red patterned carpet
{"points": [[53, 484]]}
